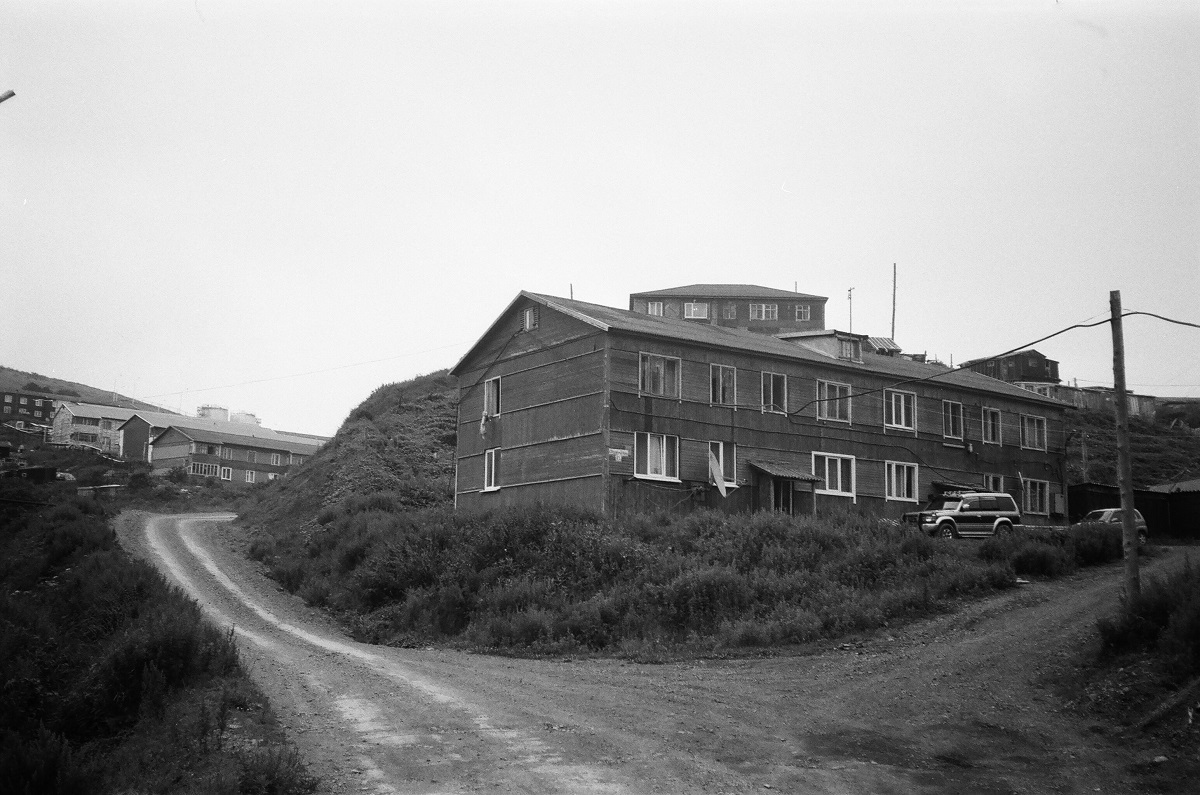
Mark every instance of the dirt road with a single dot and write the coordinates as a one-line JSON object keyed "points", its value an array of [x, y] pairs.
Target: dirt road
{"points": [[951, 705]]}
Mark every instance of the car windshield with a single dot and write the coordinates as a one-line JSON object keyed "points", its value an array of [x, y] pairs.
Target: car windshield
{"points": [[1095, 516], [943, 504]]}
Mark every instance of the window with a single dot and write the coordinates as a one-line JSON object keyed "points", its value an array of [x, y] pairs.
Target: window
{"points": [[723, 387], [272, 475], [952, 419], [901, 481], [1036, 497], [993, 482], [660, 375], [37, 402], [23, 401], [491, 397], [695, 311], [276, 459], [729, 312], [204, 470], [991, 426], [899, 410], [8, 398], [656, 455], [251, 475], [226, 473], [37, 413], [774, 392], [833, 401], [764, 311], [251, 456], [837, 472], [227, 452], [803, 312], [654, 308], [1033, 432], [297, 459], [8, 409], [86, 421], [22, 411], [851, 349], [726, 455], [491, 469]]}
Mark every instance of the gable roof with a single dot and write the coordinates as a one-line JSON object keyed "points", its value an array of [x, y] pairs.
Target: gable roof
{"points": [[264, 439], [609, 319], [1192, 485], [728, 291], [97, 411]]}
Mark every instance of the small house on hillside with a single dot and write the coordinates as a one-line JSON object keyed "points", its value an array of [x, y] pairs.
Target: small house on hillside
{"points": [[1027, 369], [765, 310], [625, 411], [90, 424]]}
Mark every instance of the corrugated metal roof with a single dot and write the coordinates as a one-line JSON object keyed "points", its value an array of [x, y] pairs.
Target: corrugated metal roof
{"points": [[607, 318], [264, 439], [99, 412], [791, 471], [1181, 485], [728, 291], [883, 344]]}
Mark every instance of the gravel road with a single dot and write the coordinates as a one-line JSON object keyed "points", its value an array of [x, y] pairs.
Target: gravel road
{"points": [[950, 705]]}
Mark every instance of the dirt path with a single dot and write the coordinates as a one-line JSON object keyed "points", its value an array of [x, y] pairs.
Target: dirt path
{"points": [[950, 705]]}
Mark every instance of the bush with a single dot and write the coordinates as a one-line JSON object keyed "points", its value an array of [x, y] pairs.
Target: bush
{"points": [[1164, 617]]}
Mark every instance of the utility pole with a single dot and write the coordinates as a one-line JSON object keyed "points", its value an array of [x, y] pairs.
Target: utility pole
{"points": [[1124, 465], [850, 298], [893, 337]]}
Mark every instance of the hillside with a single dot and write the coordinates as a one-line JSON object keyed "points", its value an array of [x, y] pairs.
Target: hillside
{"points": [[398, 443], [20, 381], [1160, 453]]}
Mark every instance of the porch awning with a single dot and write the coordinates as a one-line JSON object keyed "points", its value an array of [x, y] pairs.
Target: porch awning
{"points": [[789, 471]]}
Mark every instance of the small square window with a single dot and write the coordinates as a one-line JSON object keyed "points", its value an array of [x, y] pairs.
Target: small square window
{"points": [[803, 312], [654, 308], [695, 311]]}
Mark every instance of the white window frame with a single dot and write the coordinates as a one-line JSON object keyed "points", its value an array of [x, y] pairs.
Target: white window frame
{"points": [[716, 385], [668, 390], [989, 412], [23, 401], [203, 469], [907, 402], [1038, 429], [726, 451], [251, 475], [952, 411], [491, 469], [654, 308], [226, 473], [824, 474], [295, 459], [529, 318], [276, 459], [803, 312], [901, 488], [993, 482], [764, 311], [227, 453], [825, 402], [666, 442], [729, 312], [492, 397], [695, 310], [771, 408], [1035, 497]]}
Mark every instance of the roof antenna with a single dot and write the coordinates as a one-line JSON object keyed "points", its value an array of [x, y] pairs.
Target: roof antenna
{"points": [[571, 287], [850, 298]]}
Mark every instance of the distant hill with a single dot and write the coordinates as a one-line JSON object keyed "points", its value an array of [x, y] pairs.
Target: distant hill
{"points": [[399, 442], [20, 381], [1160, 453]]}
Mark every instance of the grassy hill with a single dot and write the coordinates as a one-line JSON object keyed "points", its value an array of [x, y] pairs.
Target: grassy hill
{"points": [[1160, 453], [398, 446], [20, 381]]}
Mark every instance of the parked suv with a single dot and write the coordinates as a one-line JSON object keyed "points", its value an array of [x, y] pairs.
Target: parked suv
{"points": [[956, 514]]}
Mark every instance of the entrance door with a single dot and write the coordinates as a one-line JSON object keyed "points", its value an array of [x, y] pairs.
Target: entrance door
{"points": [[782, 490]]}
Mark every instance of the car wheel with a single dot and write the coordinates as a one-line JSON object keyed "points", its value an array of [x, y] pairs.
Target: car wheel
{"points": [[946, 530], [1004, 528]]}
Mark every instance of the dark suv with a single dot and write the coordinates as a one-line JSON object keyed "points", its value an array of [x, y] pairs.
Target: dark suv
{"points": [[958, 514]]}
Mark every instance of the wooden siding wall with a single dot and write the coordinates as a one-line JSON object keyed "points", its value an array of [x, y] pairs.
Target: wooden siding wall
{"points": [[550, 430], [791, 439]]}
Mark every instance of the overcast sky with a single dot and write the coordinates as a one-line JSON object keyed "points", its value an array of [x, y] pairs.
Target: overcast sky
{"points": [[277, 207]]}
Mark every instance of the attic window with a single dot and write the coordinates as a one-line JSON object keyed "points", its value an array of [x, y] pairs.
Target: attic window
{"points": [[654, 308], [852, 350], [695, 311], [530, 319]]}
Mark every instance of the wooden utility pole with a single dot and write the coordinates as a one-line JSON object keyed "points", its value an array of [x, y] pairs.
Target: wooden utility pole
{"points": [[1124, 465]]}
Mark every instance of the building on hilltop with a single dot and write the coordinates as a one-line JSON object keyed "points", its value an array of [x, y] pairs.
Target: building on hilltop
{"points": [[1027, 369], [624, 411], [746, 306]]}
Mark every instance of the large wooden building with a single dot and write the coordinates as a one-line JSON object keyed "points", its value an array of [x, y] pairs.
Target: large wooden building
{"points": [[622, 411]]}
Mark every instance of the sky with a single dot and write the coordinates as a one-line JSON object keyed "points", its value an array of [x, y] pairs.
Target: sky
{"points": [[279, 206]]}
